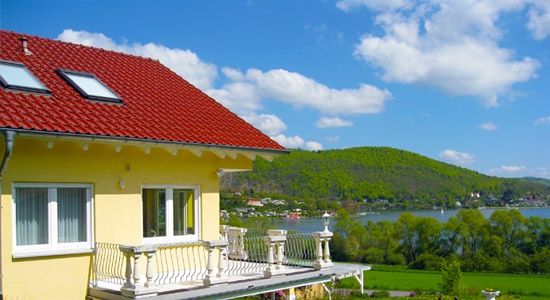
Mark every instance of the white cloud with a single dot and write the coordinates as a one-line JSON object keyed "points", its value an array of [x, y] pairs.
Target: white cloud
{"points": [[348, 5], [268, 123], [489, 126], [508, 169], [543, 121], [519, 170], [244, 92], [300, 91], [182, 61], [326, 122], [313, 146], [294, 142], [239, 97], [460, 158], [512, 169], [539, 19], [451, 45]]}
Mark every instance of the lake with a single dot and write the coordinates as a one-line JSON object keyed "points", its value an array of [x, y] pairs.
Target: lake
{"points": [[316, 224]]}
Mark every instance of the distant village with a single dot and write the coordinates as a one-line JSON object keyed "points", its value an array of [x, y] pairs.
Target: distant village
{"points": [[265, 207], [244, 206]]}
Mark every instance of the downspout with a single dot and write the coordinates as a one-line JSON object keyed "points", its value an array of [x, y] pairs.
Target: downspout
{"points": [[10, 137]]}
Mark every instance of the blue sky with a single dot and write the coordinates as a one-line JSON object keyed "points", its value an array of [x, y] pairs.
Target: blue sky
{"points": [[465, 82]]}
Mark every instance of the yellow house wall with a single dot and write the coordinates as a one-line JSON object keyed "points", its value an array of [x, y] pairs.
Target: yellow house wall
{"points": [[117, 211]]}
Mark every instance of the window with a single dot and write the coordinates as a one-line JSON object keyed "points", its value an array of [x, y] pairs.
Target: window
{"points": [[170, 213], [51, 219], [89, 86], [17, 77]]}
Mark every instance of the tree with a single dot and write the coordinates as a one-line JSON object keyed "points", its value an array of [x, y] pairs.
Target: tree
{"points": [[450, 277]]}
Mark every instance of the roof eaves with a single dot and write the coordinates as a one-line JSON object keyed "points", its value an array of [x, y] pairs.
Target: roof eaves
{"points": [[143, 140]]}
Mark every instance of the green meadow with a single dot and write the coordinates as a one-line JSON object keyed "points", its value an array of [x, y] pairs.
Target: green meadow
{"points": [[535, 287]]}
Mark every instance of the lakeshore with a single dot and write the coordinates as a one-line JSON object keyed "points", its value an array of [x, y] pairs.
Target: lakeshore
{"points": [[314, 224]]}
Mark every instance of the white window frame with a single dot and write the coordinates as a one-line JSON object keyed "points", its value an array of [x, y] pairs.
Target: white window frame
{"points": [[53, 247], [170, 237]]}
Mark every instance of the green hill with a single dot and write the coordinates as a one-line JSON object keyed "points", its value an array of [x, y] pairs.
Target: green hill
{"points": [[536, 180], [372, 173]]}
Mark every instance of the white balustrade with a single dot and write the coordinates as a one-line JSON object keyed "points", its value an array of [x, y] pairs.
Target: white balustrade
{"points": [[133, 285], [215, 267]]}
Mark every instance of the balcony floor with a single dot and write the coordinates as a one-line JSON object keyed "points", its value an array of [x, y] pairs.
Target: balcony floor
{"points": [[238, 285]]}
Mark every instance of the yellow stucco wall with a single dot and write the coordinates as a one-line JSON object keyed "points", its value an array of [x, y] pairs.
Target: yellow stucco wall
{"points": [[117, 212]]}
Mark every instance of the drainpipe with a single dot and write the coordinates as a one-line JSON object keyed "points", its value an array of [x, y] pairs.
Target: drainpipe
{"points": [[10, 137]]}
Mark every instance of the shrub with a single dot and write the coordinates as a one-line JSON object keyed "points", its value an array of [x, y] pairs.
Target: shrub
{"points": [[427, 262]]}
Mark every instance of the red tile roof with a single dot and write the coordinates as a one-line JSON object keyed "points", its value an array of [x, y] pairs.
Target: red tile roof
{"points": [[157, 104]]}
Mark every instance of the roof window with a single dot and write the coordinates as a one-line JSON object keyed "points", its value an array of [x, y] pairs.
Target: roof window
{"points": [[17, 77], [89, 86]]}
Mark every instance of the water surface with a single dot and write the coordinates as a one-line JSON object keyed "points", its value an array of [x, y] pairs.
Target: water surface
{"points": [[316, 224]]}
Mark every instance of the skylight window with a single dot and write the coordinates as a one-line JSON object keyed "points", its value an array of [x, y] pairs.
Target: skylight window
{"points": [[17, 77], [89, 86]]}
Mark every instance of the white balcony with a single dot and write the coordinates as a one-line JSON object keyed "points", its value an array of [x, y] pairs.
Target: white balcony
{"points": [[239, 264]]}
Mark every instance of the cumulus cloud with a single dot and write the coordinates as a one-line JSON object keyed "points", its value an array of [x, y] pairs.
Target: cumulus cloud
{"points": [[296, 141], [268, 123], [489, 126], [519, 170], [299, 91], [184, 62], [314, 146], [456, 157], [244, 92], [543, 121], [451, 45], [539, 19], [326, 122]]}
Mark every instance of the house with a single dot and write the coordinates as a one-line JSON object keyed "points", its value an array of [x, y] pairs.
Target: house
{"points": [[110, 184], [254, 202]]}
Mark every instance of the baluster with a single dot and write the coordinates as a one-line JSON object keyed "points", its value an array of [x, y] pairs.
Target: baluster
{"points": [[269, 270], [222, 263], [149, 269], [210, 265], [318, 264], [326, 254], [279, 237], [128, 274]]}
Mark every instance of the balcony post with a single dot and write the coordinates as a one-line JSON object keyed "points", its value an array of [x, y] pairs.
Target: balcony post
{"points": [[326, 254], [269, 269], [323, 237], [128, 273], [318, 263], [235, 237], [136, 288], [210, 277], [279, 236]]}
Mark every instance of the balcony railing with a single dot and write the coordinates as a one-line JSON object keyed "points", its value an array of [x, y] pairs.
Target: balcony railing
{"points": [[151, 269]]}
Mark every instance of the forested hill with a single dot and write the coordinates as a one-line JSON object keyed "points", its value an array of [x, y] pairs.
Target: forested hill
{"points": [[374, 173]]}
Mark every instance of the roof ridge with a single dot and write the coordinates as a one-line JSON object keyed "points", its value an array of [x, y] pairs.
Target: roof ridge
{"points": [[79, 45]]}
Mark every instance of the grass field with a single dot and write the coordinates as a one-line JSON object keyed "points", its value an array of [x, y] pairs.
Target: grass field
{"points": [[534, 287]]}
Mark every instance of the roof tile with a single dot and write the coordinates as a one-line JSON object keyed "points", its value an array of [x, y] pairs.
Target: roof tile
{"points": [[157, 104]]}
